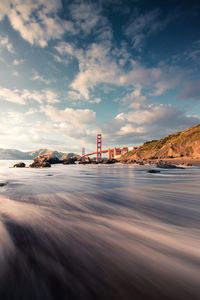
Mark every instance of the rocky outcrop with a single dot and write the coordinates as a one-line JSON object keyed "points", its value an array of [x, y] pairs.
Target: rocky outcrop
{"points": [[85, 160], [40, 165], [69, 156], [181, 144], [69, 161], [44, 161], [52, 159], [109, 161], [19, 165], [167, 166]]}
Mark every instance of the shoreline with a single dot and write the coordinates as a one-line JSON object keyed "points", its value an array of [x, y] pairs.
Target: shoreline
{"points": [[189, 161]]}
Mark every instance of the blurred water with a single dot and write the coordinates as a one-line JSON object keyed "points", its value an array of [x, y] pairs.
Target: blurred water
{"points": [[99, 232]]}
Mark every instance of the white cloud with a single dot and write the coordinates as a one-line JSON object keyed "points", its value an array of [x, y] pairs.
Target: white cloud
{"points": [[23, 96], [148, 121], [74, 116], [36, 21], [4, 8], [17, 62], [5, 44], [11, 96], [86, 16], [40, 78], [101, 64], [95, 100], [96, 66]]}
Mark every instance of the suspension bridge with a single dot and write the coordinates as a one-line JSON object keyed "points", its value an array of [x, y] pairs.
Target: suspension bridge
{"points": [[112, 152]]}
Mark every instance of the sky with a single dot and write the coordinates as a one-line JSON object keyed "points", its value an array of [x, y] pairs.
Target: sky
{"points": [[129, 69]]}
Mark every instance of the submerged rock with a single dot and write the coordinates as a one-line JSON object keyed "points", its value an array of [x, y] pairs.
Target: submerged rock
{"points": [[153, 171], [19, 165], [3, 183], [168, 166]]}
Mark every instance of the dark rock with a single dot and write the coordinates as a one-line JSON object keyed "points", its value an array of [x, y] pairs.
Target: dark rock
{"points": [[40, 165], [69, 161], [153, 171], [168, 166], [19, 165], [3, 183], [49, 158], [85, 160], [109, 161]]}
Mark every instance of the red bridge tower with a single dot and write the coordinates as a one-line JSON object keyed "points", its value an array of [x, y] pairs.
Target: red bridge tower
{"points": [[99, 146]]}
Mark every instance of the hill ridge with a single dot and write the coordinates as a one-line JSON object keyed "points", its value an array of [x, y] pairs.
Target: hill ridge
{"points": [[180, 144]]}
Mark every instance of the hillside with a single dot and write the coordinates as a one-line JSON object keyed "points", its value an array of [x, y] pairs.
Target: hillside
{"points": [[12, 154], [181, 144]]}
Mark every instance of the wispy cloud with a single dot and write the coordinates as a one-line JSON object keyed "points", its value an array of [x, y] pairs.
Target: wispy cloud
{"points": [[23, 96], [40, 78], [17, 62], [142, 26], [36, 21], [6, 44]]}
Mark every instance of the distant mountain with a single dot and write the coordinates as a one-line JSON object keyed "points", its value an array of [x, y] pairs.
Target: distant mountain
{"points": [[10, 154], [181, 144]]}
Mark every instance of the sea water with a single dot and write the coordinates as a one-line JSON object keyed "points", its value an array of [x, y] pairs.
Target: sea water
{"points": [[99, 232]]}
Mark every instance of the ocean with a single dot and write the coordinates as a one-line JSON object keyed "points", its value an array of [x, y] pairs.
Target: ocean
{"points": [[99, 232]]}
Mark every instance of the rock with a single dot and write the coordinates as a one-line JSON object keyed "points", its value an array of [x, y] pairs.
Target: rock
{"points": [[19, 165], [167, 166], [109, 161], [40, 165], [69, 161], [52, 159], [94, 162], [153, 171], [3, 183], [85, 160]]}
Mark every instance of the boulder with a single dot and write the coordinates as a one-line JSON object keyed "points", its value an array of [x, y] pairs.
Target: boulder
{"points": [[109, 161], [52, 159], [167, 166], [153, 171], [85, 160], [69, 161], [40, 165], [19, 165], [3, 183]]}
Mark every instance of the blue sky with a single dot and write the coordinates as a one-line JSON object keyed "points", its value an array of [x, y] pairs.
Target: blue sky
{"points": [[71, 69]]}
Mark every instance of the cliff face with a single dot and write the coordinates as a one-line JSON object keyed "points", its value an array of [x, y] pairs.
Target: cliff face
{"points": [[181, 144]]}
